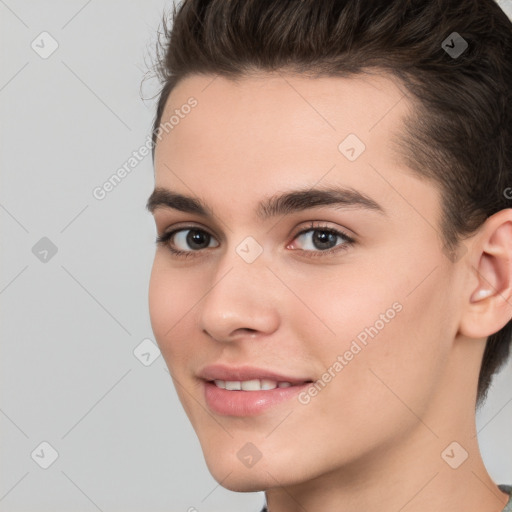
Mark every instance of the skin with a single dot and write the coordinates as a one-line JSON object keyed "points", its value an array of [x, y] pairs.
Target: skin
{"points": [[372, 438]]}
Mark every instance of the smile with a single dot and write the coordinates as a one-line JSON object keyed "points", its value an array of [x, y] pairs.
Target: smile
{"points": [[250, 397], [250, 385]]}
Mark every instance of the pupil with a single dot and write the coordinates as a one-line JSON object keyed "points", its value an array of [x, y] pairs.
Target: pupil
{"points": [[198, 237], [323, 237]]}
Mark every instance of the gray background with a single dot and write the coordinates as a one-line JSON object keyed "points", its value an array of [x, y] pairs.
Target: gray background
{"points": [[72, 321]]}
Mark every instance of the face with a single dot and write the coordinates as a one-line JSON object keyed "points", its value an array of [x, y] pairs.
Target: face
{"points": [[347, 296]]}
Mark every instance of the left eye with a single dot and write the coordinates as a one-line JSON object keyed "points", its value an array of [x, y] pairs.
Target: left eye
{"points": [[322, 239]]}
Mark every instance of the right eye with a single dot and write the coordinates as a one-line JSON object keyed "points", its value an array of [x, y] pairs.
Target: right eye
{"points": [[195, 238]]}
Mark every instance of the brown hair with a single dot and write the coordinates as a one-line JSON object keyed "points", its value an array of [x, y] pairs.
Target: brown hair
{"points": [[460, 135]]}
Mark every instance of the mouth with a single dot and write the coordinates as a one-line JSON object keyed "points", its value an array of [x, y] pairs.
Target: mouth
{"points": [[247, 378], [247, 390], [254, 384], [250, 397]]}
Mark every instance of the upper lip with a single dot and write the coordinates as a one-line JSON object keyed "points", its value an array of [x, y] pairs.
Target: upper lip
{"points": [[241, 373]]}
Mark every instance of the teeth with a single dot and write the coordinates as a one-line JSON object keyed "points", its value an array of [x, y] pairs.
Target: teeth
{"points": [[233, 385], [268, 384], [250, 385]]}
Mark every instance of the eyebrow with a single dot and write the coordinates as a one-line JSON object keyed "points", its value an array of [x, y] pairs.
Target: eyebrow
{"points": [[281, 204]]}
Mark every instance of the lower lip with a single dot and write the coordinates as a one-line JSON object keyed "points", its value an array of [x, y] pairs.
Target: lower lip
{"points": [[247, 403]]}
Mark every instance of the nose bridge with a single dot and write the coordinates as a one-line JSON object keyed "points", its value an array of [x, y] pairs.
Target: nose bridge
{"points": [[240, 295]]}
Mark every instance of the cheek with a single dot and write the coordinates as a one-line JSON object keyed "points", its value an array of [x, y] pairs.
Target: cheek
{"points": [[383, 331], [343, 305], [171, 300], [161, 299]]}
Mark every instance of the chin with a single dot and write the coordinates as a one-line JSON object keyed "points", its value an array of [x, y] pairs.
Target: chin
{"points": [[235, 477], [247, 483], [267, 473]]}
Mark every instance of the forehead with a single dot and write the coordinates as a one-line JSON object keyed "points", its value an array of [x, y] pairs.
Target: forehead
{"points": [[268, 131], [279, 111], [287, 104]]}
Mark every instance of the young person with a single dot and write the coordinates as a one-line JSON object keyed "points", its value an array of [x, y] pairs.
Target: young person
{"points": [[332, 284]]}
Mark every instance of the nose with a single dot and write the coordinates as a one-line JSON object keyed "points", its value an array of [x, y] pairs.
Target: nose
{"points": [[241, 299]]}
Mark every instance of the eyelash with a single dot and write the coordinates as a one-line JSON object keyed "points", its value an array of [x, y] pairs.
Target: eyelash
{"points": [[349, 241]]}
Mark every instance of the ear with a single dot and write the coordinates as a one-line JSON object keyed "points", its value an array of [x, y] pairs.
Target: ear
{"points": [[488, 306]]}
